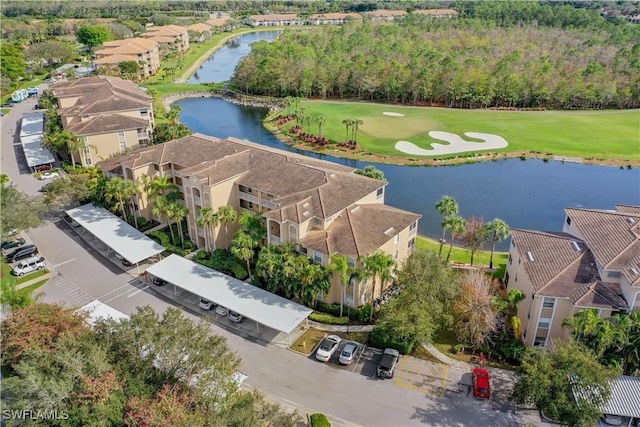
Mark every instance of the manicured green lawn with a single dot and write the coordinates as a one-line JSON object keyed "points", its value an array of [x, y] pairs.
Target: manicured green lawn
{"points": [[35, 286], [7, 274], [598, 135], [31, 276], [307, 341]]}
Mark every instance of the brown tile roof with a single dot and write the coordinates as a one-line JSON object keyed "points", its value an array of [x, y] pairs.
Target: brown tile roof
{"points": [[612, 236], [360, 230], [107, 123], [631, 271], [89, 86], [437, 12], [139, 41], [199, 27], [161, 39], [115, 59], [354, 16], [107, 100], [559, 270], [274, 17], [628, 208], [382, 12], [167, 30]]}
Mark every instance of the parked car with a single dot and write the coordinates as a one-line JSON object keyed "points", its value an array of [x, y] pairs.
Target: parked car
{"points": [[48, 175], [7, 105], [122, 259], [10, 244], [235, 317], [612, 420], [328, 346], [348, 353], [387, 365], [22, 253], [42, 168], [158, 282], [205, 304], [481, 383], [28, 265], [222, 311], [38, 107], [73, 223]]}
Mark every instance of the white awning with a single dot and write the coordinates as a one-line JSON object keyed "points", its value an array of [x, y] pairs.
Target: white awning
{"points": [[252, 302], [115, 233], [34, 152], [625, 392], [32, 124]]}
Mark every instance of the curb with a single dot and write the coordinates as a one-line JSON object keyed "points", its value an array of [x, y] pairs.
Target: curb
{"points": [[45, 276]]}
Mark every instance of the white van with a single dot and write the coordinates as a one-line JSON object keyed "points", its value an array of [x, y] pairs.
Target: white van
{"points": [[28, 265]]}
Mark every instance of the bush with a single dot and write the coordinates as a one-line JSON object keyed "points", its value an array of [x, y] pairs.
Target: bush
{"points": [[203, 255], [319, 420], [73, 170], [131, 219], [380, 339], [509, 348], [361, 314], [144, 225], [221, 260], [164, 239], [328, 319]]}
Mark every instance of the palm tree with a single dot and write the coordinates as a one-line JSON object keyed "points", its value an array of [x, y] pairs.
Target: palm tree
{"points": [[315, 279], [378, 265], [356, 123], [347, 123], [242, 248], [179, 213], [208, 220], [253, 224], [268, 267], [163, 206], [131, 188], [340, 264], [456, 226], [308, 118], [446, 206], [499, 231], [320, 120], [513, 299], [288, 100], [225, 215], [174, 114], [73, 144], [116, 192]]}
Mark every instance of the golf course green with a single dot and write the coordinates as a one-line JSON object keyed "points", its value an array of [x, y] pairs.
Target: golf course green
{"points": [[604, 137]]}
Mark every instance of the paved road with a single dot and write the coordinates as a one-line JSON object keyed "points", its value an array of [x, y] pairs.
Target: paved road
{"points": [[81, 274]]}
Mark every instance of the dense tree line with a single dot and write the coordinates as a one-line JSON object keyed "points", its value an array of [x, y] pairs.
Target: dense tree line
{"points": [[456, 63]]}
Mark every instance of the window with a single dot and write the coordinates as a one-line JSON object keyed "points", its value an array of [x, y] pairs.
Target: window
{"points": [[380, 192], [351, 262], [412, 228], [396, 239], [317, 257], [543, 323], [120, 134], [395, 255], [88, 160], [568, 220], [123, 145], [614, 274], [506, 279], [509, 259], [549, 302], [411, 245]]}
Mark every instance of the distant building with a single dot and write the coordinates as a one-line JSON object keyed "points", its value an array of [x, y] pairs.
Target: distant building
{"points": [[386, 15], [333, 18], [275, 20], [143, 51], [170, 38], [108, 114], [593, 263], [223, 24]]}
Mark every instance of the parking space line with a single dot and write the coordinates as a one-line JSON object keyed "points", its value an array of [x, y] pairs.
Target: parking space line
{"points": [[63, 263], [112, 291], [138, 291]]}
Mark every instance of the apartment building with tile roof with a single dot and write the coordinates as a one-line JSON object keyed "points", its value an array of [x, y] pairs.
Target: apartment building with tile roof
{"points": [[386, 15], [143, 51], [318, 206], [275, 19], [333, 18], [108, 114], [437, 13], [223, 24], [169, 38], [593, 263]]}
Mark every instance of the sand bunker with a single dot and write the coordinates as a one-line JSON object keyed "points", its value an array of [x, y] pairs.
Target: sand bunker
{"points": [[456, 144], [392, 114]]}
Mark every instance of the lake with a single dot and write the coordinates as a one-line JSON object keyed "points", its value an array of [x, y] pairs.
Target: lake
{"points": [[528, 194]]}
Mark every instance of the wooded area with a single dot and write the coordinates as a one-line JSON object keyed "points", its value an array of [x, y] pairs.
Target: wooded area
{"points": [[463, 63]]}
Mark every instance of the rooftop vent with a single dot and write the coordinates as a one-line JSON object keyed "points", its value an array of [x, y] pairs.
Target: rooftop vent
{"points": [[530, 256], [306, 213], [631, 220], [356, 209], [575, 245], [389, 230], [634, 271], [333, 175]]}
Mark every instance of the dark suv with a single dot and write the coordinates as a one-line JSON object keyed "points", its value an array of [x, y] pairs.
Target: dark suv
{"points": [[388, 363], [22, 253]]}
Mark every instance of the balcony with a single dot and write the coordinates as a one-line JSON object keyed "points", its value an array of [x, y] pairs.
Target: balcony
{"points": [[198, 200], [268, 204], [143, 135], [248, 197], [275, 240]]}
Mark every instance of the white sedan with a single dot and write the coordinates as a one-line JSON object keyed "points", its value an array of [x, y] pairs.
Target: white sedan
{"points": [[48, 175], [328, 346]]}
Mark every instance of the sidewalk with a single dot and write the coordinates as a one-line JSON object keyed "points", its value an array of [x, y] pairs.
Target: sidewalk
{"points": [[45, 276]]}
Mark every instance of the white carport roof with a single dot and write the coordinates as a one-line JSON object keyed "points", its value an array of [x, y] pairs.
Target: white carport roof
{"points": [[99, 310], [625, 392], [115, 233], [35, 153], [252, 302], [32, 124]]}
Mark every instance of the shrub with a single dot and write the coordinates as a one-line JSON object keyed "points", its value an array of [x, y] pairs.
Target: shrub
{"points": [[142, 221], [328, 319], [203, 255], [361, 314], [221, 260], [509, 348], [144, 225], [131, 219], [380, 339], [319, 420], [165, 240]]}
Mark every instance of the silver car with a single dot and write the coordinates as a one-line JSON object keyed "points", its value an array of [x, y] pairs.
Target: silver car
{"points": [[348, 353], [328, 346]]}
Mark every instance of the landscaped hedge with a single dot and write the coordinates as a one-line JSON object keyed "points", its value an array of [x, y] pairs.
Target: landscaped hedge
{"points": [[359, 315], [380, 340], [165, 240], [319, 420], [224, 262], [328, 319]]}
